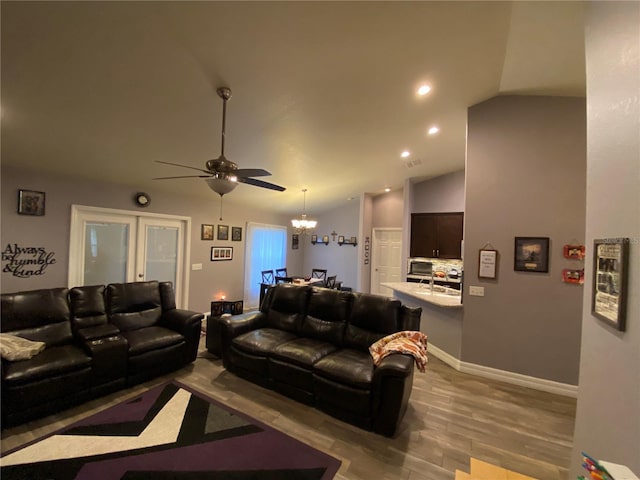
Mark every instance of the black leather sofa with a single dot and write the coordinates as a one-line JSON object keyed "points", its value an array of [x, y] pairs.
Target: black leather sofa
{"points": [[312, 344], [98, 339]]}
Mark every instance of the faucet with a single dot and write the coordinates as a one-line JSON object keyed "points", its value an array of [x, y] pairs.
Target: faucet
{"points": [[431, 280]]}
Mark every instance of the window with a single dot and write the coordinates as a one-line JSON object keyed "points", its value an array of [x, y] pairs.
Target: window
{"points": [[266, 250]]}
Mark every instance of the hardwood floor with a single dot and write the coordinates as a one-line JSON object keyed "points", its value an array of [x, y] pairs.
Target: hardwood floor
{"points": [[451, 417]]}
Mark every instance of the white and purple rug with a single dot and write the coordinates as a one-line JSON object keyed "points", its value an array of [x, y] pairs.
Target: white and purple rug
{"points": [[168, 432]]}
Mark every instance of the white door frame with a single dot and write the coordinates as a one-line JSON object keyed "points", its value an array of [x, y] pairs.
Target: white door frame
{"points": [[77, 241], [374, 253]]}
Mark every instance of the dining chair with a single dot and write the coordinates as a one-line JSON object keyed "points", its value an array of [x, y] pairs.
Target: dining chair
{"points": [[267, 277], [281, 272], [319, 273], [331, 282], [280, 279]]}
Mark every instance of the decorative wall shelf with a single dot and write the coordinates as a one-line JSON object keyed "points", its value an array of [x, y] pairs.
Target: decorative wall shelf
{"points": [[352, 241], [315, 241]]}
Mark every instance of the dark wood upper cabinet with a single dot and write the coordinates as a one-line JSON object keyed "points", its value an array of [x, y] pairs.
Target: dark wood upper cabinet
{"points": [[436, 235]]}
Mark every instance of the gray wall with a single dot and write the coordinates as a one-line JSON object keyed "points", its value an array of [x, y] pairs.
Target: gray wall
{"points": [[52, 230], [525, 176], [387, 210], [338, 260], [608, 416], [440, 194]]}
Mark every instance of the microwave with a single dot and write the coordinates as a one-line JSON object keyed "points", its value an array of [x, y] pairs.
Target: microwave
{"points": [[419, 266]]}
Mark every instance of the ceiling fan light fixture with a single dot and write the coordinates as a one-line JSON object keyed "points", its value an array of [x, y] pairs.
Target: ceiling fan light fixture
{"points": [[221, 186], [302, 225]]}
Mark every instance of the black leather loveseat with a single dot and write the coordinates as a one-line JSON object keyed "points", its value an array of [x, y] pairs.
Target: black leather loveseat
{"points": [[312, 344], [98, 339]]}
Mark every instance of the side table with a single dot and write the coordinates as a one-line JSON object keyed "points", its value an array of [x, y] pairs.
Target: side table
{"points": [[213, 325]]}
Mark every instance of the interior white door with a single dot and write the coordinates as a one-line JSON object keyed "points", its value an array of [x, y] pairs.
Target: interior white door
{"points": [[386, 259], [112, 246]]}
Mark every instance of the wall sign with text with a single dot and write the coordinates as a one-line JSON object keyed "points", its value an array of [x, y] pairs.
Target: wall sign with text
{"points": [[25, 262]]}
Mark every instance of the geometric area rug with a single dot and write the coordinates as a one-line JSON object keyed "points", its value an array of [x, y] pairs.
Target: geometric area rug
{"points": [[168, 432]]}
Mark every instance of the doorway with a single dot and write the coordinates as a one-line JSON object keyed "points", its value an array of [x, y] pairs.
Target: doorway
{"points": [[386, 259], [117, 246]]}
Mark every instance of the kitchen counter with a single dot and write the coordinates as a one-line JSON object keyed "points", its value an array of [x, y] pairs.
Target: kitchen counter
{"points": [[441, 296]]}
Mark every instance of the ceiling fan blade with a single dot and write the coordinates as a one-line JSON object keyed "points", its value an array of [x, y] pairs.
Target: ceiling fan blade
{"points": [[259, 183], [183, 166], [182, 176], [251, 172]]}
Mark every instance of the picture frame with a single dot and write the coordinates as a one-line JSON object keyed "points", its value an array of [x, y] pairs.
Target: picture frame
{"points": [[325, 239], [295, 241], [531, 254], [314, 239], [236, 234], [487, 263], [610, 272], [31, 202], [340, 239], [573, 275], [575, 252], [223, 232], [219, 254], [206, 232]]}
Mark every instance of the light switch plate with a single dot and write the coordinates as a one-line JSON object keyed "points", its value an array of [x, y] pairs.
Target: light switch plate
{"points": [[476, 291], [196, 266]]}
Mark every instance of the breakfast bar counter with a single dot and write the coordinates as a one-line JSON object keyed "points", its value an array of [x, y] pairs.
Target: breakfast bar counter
{"points": [[441, 319]]}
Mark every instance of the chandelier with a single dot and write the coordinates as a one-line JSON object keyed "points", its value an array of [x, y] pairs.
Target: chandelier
{"points": [[302, 225]]}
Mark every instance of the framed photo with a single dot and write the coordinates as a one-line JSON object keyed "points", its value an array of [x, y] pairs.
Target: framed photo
{"points": [[487, 263], [572, 275], [341, 239], [531, 254], [609, 295], [31, 202], [206, 232], [325, 239], [221, 253], [223, 232], [314, 239], [295, 241], [236, 234]]}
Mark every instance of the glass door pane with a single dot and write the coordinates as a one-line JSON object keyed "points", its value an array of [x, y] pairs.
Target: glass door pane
{"points": [[105, 253], [162, 253]]}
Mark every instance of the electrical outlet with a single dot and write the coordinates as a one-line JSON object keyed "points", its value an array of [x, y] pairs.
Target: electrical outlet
{"points": [[196, 266], [476, 291]]}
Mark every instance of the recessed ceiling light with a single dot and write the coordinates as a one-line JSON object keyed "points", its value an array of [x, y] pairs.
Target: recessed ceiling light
{"points": [[424, 89], [387, 189], [433, 130], [405, 154]]}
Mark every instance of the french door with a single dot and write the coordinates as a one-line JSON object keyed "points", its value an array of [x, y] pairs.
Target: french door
{"points": [[116, 246]]}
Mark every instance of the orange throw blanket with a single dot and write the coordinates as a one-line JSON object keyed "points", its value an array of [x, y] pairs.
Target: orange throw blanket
{"points": [[409, 342]]}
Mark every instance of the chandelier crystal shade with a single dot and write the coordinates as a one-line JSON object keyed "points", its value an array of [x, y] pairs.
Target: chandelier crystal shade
{"points": [[302, 224]]}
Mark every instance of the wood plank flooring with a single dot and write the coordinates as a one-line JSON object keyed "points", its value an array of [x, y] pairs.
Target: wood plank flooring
{"points": [[451, 417]]}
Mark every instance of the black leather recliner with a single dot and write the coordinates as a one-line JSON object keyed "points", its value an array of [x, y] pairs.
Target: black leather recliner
{"points": [[98, 339], [312, 344]]}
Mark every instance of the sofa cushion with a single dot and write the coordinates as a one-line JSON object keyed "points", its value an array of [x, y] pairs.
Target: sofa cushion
{"points": [[304, 352], [133, 305], [350, 367], [49, 363], [327, 315], [38, 315], [262, 341], [143, 340], [372, 317], [288, 306], [87, 306]]}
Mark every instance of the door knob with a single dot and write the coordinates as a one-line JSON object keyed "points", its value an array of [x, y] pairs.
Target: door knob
{"points": [[141, 275]]}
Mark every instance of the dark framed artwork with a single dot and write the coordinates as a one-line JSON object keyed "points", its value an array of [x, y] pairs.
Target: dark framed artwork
{"points": [[609, 295], [223, 232], [31, 202], [295, 241], [236, 234], [206, 232], [221, 253], [531, 254]]}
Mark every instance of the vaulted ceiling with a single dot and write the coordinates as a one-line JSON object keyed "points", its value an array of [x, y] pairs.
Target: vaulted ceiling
{"points": [[324, 93]]}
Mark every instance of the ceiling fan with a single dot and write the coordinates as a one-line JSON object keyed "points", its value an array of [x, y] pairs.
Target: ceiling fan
{"points": [[223, 175]]}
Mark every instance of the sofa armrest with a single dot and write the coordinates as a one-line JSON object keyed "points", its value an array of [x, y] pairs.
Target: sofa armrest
{"points": [[99, 331], [236, 325], [396, 365], [392, 384], [180, 320]]}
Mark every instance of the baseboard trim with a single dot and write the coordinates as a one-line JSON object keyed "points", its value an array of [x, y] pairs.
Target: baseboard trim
{"points": [[513, 378]]}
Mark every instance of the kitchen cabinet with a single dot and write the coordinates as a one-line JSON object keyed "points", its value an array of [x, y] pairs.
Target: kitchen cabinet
{"points": [[436, 235]]}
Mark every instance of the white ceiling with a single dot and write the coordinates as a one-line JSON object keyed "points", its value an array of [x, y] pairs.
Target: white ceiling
{"points": [[323, 92]]}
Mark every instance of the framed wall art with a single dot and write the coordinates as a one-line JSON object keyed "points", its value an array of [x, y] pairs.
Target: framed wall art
{"points": [[221, 253], [223, 232], [236, 234], [575, 252], [31, 202], [531, 254], [295, 241], [206, 232], [609, 295]]}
